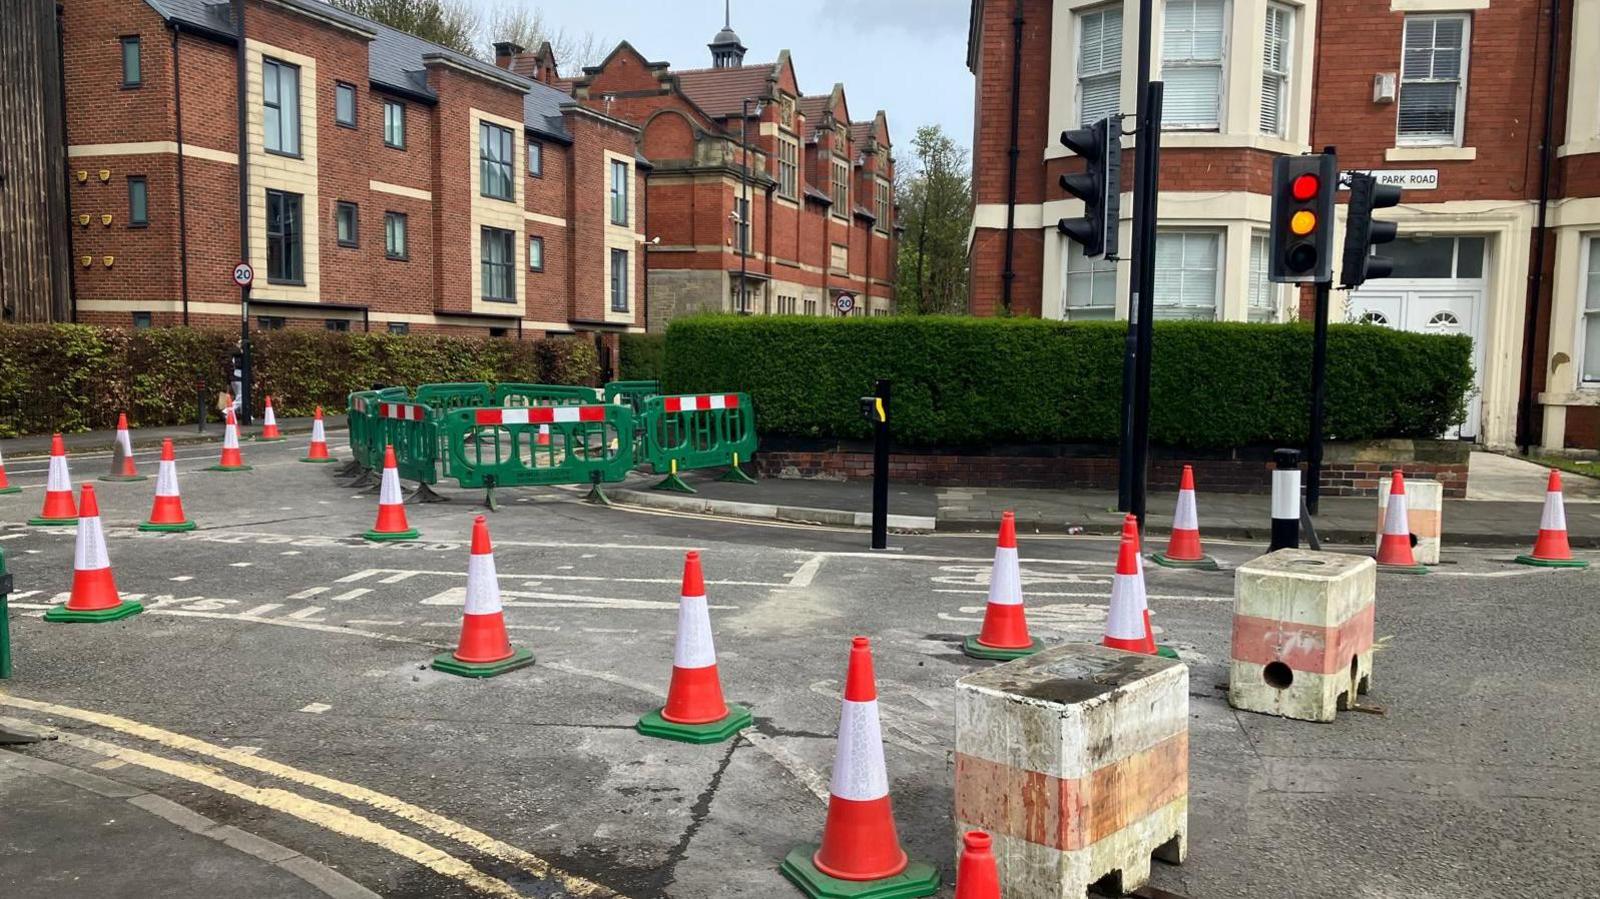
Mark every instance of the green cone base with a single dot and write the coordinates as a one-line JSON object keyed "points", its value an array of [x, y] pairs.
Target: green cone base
{"points": [[390, 536], [1205, 563], [318, 461], [5, 490], [63, 614], [123, 477], [1166, 652], [675, 484], [977, 650], [1403, 569], [1528, 560], [918, 879], [228, 468], [449, 664], [737, 719], [736, 475], [52, 522], [168, 528]]}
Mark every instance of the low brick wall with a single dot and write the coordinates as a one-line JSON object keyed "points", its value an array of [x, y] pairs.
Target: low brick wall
{"points": [[1348, 469]]}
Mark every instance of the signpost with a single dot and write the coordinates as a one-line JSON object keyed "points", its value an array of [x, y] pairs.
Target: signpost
{"points": [[244, 275], [845, 303], [1405, 179]]}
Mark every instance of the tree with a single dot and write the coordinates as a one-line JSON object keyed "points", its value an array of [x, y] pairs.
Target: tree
{"points": [[936, 209], [526, 26], [452, 23]]}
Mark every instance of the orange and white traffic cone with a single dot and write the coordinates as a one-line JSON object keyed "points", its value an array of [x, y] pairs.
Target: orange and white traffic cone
{"points": [[232, 459], [269, 424], [392, 524], [544, 436], [122, 468], [167, 512], [859, 841], [5, 485], [94, 591], [1004, 635], [484, 649], [1551, 548], [695, 711], [977, 876], [1128, 620], [1394, 547], [58, 505], [319, 442], [1183, 547]]}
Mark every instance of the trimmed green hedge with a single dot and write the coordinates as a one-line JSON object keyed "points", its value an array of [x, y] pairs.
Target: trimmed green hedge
{"points": [[78, 377], [975, 381], [643, 357]]}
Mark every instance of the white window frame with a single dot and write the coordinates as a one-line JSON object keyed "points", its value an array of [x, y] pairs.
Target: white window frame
{"points": [[1259, 282], [617, 195], [1587, 268], [1283, 75], [1221, 235], [287, 107], [1455, 140], [394, 124], [741, 225], [1224, 51], [1098, 268], [1106, 71]]}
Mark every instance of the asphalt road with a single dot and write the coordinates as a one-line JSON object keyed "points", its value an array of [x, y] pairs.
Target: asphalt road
{"points": [[277, 686]]}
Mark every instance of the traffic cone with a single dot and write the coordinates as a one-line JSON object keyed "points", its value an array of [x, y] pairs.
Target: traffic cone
{"points": [[860, 855], [695, 711], [544, 436], [5, 485], [1183, 547], [392, 523], [58, 506], [1005, 626], [167, 513], [94, 591], [319, 442], [1394, 548], [484, 649], [1128, 621], [269, 424], [1550, 548], [232, 459], [977, 877], [122, 455]]}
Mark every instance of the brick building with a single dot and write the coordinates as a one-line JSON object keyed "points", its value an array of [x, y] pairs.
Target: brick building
{"points": [[760, 198], [1447, 96], [390, 183]]}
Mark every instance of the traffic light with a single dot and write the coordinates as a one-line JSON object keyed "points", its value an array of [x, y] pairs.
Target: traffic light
{"points": [[1302, 218], [1099, 186], [1362, 233]]}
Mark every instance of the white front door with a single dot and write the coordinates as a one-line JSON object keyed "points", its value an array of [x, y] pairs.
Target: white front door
{"points": [[1432, 306]]}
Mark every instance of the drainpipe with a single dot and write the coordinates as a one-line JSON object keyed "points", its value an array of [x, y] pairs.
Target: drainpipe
{"points": [[1012, 152], [183, 222], [1536, 274], [66, 170], [644, 211]]}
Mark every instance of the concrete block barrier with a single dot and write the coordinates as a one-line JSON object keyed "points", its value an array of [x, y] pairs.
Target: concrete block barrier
{"points": [[1424, 511]]}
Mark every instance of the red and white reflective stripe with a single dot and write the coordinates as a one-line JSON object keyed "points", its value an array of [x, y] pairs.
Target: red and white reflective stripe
{"points": [[316, 432], [694, 648], [268, 418], [858, 770], [60, 481], [401, 411], [700, 402], [389, 492], [1126, 618], [483, 586], [361, 404], [1554, 517], [89, 550], [230, 433], [1186, 518], [167, 478], [1005, 580], [534, 415], [1395, 518], [124, 441]]}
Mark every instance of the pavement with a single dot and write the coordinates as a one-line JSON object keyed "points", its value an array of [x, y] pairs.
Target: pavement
{"points": [[277, 688]]}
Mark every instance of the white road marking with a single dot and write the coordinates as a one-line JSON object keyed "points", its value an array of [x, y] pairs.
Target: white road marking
{"points": [[807, 572], [182, 577], [240, 564], [397, 577], [260, 610], [402, 574], [316, 708], [509, 627], [457, 596], [309, 613], [309, 592], [351, 594], [10, 536], [1103, 595], [291, 552], [377, 621]]}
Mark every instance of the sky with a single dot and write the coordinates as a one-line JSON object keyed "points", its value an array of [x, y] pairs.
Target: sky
{"points": [[906, 57]]}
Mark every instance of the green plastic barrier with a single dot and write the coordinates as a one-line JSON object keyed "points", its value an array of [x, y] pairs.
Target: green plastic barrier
{"points": [[444, 397], [698, 431], [528, 395], [499, 446], [634, 393], [413, 430], [362, 424]]}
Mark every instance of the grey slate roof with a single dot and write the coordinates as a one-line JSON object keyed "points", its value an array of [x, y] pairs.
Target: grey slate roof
{"points": [[541, 111]]}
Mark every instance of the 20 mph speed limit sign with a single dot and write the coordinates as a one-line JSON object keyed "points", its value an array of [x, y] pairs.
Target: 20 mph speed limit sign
{"points": [[243, 274]]}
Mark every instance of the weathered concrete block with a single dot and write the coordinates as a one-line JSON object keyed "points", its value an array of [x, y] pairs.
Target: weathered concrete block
{"points": [[1076, 760], [1424, 512], [1302, 633]]}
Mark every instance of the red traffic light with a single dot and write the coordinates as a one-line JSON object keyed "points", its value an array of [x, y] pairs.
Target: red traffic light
{"points": [[1305, 187]]}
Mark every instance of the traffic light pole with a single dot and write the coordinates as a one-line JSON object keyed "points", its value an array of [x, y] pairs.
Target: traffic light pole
{"points": [[1145, 212], [1319, 389], [1132, 449]]}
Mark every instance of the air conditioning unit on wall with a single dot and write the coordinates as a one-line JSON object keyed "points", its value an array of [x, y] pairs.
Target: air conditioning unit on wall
{"points": [[1383, 87]]}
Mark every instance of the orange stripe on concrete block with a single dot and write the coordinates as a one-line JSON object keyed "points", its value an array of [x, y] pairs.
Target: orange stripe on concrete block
{"points": [[1303, 647]]}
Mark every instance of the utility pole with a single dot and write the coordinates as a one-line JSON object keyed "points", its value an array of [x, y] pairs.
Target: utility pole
{"points": [[1135, 446]]}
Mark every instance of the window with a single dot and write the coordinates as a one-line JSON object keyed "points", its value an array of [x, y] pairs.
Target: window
{"points": [[839, 257], [1191, 64], [394, 124], [1263, 304], [1436, 257], [141, 320], [619, 280], [284, 263], [811, 306], [788, 305], [499, 332], [344, 104], [1186, 274], [280, 100], [336, 324], [739, 290], [741, 212], [1099, 64], [788, 167], [344, 221], [1090, 285], [619, 192], [535, 254], [132, 66], [1432, 80], [841, 188], [394, 235], [270, 323], [494, 161], [1276, 50], [535, 159], [499, 265], [880, 198], [138, 202], [399, 327], [1591, 314]]}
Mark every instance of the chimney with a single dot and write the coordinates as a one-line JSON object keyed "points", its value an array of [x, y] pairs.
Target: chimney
{"points": [[505, 52]]}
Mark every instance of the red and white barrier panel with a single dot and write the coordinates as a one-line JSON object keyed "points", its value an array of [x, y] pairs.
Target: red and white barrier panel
{"points": [[539, 415], [700, 402], [403, 411]]}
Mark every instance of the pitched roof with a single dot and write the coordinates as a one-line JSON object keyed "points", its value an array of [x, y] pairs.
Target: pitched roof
{"points": [[721, 92], [541, 112]]}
